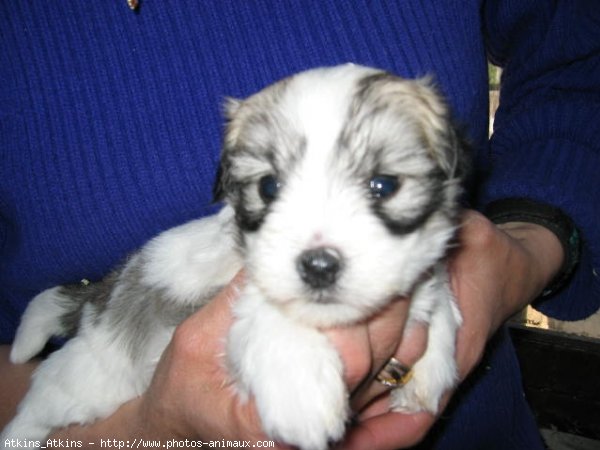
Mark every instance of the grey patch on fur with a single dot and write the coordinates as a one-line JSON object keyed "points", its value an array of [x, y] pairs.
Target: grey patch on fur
{"points": [[75, 296], [134, 309], [137, 310]]}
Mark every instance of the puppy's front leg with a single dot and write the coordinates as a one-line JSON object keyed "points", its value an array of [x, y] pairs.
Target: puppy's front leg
{"points": [[292, 371], [436, 372]]}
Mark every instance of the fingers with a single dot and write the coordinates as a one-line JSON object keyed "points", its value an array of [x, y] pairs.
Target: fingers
{"points": [[353, 345], [412, 346], [367, 347], [389, 431], [386, 332], [414, 343]]}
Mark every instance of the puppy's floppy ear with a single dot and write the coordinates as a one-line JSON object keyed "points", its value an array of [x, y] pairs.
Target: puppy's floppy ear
{"points": [[420, 101], [219, 188], [231, 106], [444, 138], [455, 153], [233, 113]]}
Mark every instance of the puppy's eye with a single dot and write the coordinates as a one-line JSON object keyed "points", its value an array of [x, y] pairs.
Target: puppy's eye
{"points": [[383, 186], [268, 188]]}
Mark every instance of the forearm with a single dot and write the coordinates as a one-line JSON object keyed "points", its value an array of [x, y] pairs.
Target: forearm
{"points": [[14, 382]]}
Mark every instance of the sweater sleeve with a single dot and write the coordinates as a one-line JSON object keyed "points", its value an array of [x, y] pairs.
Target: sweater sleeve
{"points": [[545, 144]]}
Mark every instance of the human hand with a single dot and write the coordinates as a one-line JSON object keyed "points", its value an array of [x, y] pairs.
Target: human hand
{"points": [[494, 273]]}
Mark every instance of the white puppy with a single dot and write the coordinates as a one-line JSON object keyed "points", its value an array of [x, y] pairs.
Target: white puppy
{"points": [[341, 189]]}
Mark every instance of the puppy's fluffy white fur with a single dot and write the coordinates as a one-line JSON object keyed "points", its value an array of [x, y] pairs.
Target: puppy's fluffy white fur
{"points": [[350, 160]]}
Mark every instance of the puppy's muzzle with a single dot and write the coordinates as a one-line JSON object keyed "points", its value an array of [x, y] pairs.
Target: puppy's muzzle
{"points": [[319, 267]]}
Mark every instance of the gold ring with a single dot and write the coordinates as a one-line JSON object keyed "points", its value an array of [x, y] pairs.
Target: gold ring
{"points": [[394, 374]]}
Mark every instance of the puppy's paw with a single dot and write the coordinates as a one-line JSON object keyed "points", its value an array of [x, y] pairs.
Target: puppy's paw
{"points": [[432, 378], [306, 407], [291, 370]]}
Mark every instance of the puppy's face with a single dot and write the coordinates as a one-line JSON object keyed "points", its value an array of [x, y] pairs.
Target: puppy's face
{"points": [[344, 182]]}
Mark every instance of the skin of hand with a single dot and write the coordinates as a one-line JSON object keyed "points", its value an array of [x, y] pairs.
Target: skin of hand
{"points": [[494, 272], [14, 382]]}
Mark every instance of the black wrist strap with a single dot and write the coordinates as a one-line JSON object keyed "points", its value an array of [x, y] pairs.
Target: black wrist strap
{"points": [[525, 210]]}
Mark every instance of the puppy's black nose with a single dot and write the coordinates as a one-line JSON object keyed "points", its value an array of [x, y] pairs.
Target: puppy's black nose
{"points": [[319, 267]]}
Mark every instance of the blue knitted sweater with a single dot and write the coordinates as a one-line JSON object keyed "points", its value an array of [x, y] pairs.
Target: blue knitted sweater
{"points": [[110, 128]]}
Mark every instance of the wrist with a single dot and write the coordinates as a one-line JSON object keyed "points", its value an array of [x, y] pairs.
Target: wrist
{"points": [[534, 224], [545, 254]]}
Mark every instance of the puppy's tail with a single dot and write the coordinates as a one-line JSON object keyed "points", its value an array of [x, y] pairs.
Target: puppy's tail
{"points": [[47, 315]]}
